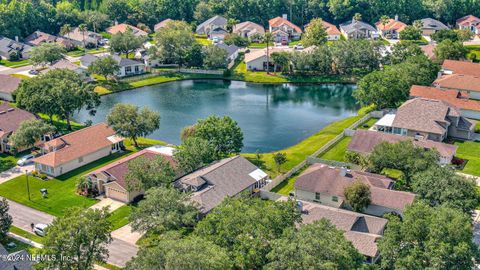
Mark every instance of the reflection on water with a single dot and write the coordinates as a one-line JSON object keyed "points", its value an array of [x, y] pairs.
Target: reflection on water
{"points": [[272, 117]]}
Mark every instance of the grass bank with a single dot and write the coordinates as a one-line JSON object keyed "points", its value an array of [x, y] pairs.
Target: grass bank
{"points": [[14, 64], [469, 151]]}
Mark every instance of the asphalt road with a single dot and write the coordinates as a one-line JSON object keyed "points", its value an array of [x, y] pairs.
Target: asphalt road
{"points": [[120, 251]]}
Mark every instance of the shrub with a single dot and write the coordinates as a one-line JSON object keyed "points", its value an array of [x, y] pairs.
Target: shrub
{"points": [[14, 56]]}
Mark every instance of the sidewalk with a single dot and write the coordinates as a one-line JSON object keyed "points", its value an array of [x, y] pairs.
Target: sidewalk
{"points": [[14, 172]]}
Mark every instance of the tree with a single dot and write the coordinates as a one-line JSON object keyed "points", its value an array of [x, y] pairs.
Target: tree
{"points": [[267, 39], [358, 195], [164, 209], [129, 121], [442, 186], [174, 42], [444, 34], [94, 20], [230, 24], [403, 156], [46, 53], [65, 30], [105, 66], [125, 42], [314, 246], [182, 254], [203, 12], [384, 20], [280, 159], [145, 173], [81, 236], [214, 57], [315, 34], [448, 49], [464, 35], [28, 133], [83, 29], [401, 51], [59, 92], [194, 153], [222, 133], [5, 218], [282, 60], [411, 33], [236, 40], [357, 17], [428, 238], [247, 227]]}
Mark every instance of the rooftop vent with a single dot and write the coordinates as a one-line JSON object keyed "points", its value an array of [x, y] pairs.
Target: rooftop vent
{"points": [[3, 112], [10, 110]]}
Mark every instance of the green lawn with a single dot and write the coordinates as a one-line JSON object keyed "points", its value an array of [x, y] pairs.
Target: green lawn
{"points": [[18, 246], [286, 186], [204, 41], [337, 152], [255, 45], [119, 217], [300, 151], [61, 190], [21, 76], [368, 124], [28, 235], [7, 162], [14, 64], [470, 151]]}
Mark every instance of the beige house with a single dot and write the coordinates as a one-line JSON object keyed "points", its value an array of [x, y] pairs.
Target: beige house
{"points": [[430, 119], [248, 29], [283, 30], [325, 185], [77, 149], [392, 29], [120, 28], [365, 141], [10, 120], [110, 179], [256, 59]]}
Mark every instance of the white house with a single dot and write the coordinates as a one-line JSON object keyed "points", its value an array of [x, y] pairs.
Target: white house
{"points": [[128, 67]]}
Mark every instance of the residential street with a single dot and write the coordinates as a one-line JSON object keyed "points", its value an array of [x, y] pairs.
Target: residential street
{"points": [[120, 251]]}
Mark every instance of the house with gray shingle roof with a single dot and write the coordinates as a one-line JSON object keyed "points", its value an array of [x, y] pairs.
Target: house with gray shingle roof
{"points": [[358, 30], [225, 178], [128, 67], [18, 260], [8, 85], [10, 46], [216, 23], [430, 119], [232, 51], [10, 120], [430, 26]]}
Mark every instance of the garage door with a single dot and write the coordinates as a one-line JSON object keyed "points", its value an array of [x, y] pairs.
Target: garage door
{"points": [[117, 194]]}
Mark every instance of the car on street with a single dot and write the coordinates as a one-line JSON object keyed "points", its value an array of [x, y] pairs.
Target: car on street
{"points": [[298, 47], [40, 229], [33, 72], [25, 160]]}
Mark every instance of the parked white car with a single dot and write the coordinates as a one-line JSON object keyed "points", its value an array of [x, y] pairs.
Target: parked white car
{"points": [[25, 160], [39, 229]]}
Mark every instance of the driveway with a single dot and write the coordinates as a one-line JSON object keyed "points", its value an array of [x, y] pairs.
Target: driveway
{"points": [[107, 202], [10, 71], [121, 251], [15, 172], [126, 234]]}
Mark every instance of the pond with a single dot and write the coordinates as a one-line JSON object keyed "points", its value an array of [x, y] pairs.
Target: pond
{"points": [[272, 117]]}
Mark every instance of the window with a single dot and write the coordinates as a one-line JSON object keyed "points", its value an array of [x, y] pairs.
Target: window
{"points": [[317, 197], [334, 198], [80, 159], [137, 69], [128, 69]]}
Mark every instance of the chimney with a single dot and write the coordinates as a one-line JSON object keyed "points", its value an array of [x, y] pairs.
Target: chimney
{"points": [[343, 171], [285, 16], [439, 74], [116, 22], [16, 38], [396, 18]]}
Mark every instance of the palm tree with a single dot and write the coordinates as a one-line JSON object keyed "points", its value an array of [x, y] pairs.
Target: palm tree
{"points": [[83, 28], [418, 24], [267, 38], [65, 30], [384, 20], [83, 185]]}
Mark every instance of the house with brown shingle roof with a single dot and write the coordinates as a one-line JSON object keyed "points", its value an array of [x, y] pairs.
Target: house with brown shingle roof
{"points": [[325, 185], [469, 108], [363, 231], [161, 25], [282, 28], [110, 179], [10, 120], [225, 178], [7, 86], [256, 59], [38, 37], [469, 23], [430, 119], [467, 84], [365, 141], [120, 28], [392, 29], [248, 29], [76, 149]]}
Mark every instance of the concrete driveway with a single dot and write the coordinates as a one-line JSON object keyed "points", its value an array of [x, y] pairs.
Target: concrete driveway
{"points": [[126, 234], [15, 70], [107, 202], [15, 172]]}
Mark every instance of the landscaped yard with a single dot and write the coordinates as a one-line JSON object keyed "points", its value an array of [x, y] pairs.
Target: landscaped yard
{"points": [[286, 186], [300, 151], [61, 190], [203, 40], [119, 217], [337, 152], [470, 151], [28, 235], [13, 64], [368, 124], [7, 162]]}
